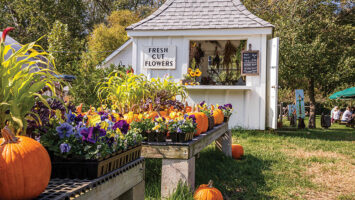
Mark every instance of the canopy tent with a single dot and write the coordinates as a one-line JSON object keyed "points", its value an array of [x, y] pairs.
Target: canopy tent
{"points": [[344, 94]]}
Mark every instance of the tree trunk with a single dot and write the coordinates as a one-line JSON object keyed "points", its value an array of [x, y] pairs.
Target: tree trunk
{"points": [[312, 111]]}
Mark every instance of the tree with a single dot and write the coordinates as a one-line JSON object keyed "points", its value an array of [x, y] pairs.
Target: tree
{"points": [[33, 19], [316, 45], [107, 38], [64, 48]]}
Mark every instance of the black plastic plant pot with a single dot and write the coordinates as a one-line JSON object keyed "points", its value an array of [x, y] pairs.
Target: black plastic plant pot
{"points": [[161, 137], [91, 169], [174, 137], [226, 119], [210, 123], [182, 137], [145, 136], [152, 137]]}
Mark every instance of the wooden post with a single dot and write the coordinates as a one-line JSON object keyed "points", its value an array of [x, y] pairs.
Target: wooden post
{"points": [[224, 143], [174, 171], [135, 193]]}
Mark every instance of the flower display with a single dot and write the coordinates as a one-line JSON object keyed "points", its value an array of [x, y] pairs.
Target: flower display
{"points": [[227, 109], [90, 135]]}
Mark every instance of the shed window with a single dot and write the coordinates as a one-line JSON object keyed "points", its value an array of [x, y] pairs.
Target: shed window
{"points": [[218, 60]]}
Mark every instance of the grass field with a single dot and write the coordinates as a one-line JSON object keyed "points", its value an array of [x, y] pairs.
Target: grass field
{"points": [[285, 164]]}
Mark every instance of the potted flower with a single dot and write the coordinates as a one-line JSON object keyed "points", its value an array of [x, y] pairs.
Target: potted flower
{"points": [[161, 129], [83, 145], [227, 110], [208, 112], [186, 128], [172, 128], [144, 127]]}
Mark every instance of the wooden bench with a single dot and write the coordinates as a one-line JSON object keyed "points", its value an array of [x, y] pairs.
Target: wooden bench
{"points": [[178, 159], [125, 183]]}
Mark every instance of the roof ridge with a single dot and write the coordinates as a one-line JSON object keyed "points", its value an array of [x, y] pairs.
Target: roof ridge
{"points": [[238, 4], [160, 10]]}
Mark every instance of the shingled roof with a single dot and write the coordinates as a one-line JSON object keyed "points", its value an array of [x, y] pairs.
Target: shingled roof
{"points": [[200, 14]]}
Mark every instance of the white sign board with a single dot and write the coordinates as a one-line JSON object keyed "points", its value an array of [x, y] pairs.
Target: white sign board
{"points": [[159, 57]]}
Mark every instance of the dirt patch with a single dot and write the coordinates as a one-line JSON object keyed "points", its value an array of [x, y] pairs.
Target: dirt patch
{"points": [[333, 179]]}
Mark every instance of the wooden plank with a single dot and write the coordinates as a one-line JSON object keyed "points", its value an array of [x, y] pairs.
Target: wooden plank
{"points": [[172, 152], [196, 147], [116, 186], [183, 150]]}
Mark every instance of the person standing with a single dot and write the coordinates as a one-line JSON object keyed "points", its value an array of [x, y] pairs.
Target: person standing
{"points": [[346, 115], [335, 115], [332, 113]]}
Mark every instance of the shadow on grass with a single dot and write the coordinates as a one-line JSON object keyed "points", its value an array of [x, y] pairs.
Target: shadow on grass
{"points": [[236, 179], [320, 134]]}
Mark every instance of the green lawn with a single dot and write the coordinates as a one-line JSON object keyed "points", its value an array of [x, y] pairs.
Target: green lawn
{"points": [[286, 164]]}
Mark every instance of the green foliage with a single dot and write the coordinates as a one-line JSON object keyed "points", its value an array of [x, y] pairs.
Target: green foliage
{"points": [[108, 37], [84, 87], [316, 42], [62, 46], [23, 75], [131, 92], [32, 19]]}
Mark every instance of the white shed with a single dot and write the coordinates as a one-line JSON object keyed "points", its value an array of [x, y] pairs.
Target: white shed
{"points": [[165, 42]]}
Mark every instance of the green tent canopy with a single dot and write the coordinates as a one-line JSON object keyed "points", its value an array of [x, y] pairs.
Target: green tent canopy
{"points": [[345, 94]]}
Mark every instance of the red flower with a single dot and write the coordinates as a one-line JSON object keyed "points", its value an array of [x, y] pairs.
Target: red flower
{"points": [[4, 33]]}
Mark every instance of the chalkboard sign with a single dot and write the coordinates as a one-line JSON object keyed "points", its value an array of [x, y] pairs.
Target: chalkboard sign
{"points": [[250, 63]]}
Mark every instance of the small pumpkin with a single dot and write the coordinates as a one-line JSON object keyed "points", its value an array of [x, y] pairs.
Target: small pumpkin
{"points": [[208, 192], [237, 151], [25, 167], [199, 122]]}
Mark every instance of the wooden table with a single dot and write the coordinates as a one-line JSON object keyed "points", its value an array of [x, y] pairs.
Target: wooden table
{"points": [[179, 158], [125, 183]]}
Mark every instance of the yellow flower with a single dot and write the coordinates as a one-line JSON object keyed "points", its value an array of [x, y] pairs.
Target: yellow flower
{"points": [[118, 132], [156, 127], [189, 70], [140, 117], [159, 119], [92, 109], [192, 74], [104, 125], [198, 73], [104, 106], [186, 84], [99, 110], [94, 120]]}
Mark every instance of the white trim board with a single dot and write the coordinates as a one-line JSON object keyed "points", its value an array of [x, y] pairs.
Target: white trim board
{"points": [[202, 32]]}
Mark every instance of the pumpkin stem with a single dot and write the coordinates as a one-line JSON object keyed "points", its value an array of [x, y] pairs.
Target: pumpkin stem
{"points": [[9, 137], [210, 184]]}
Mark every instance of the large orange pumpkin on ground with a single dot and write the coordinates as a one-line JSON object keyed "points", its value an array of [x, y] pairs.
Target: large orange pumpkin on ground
{"points": [[25, 167], [207, 192], [237, 151]]}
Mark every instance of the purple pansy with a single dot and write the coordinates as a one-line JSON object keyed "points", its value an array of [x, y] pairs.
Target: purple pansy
{"points": [[79, 118], [64, 148], [104, 116], [70, 117], [122, 125], [228, 106], [193, 118], [113, 119], [65, 130], [202, 103]]}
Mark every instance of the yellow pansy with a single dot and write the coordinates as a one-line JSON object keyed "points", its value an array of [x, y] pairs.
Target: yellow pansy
{"points": [[140, 117], [104, 125], [94, 120], [156, 127]]}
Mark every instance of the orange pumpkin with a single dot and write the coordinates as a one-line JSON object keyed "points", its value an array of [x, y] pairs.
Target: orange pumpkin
{"points": [[199, 122], [207, 192], [205, 122], [25, 167], [218, 116], [237, 151]]}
